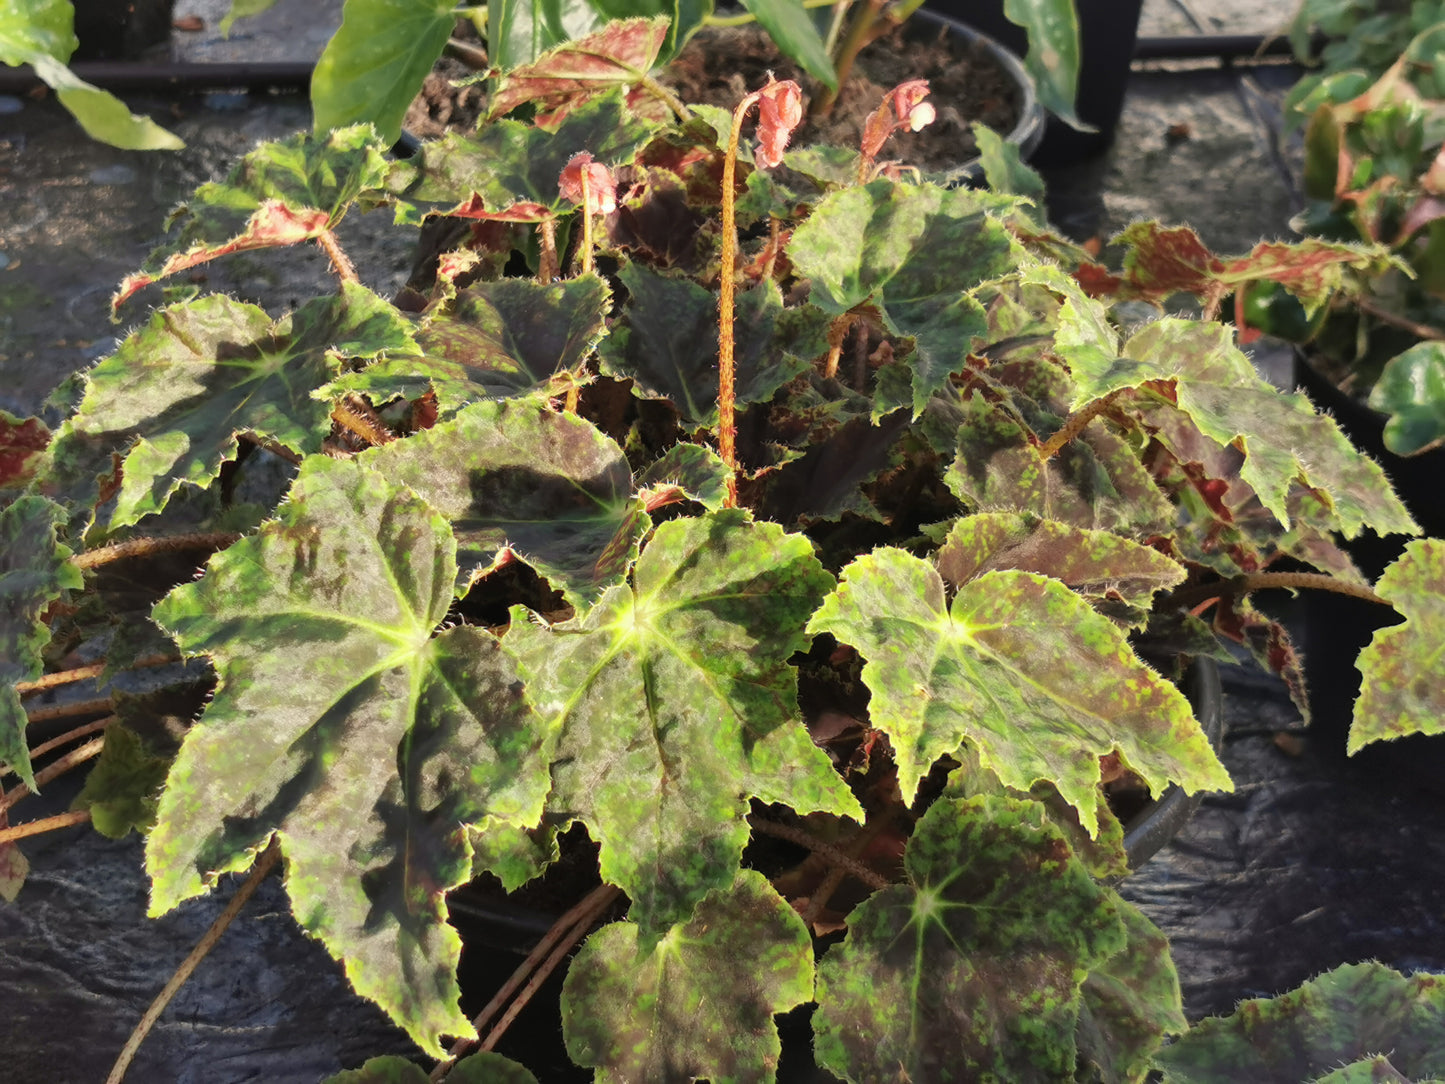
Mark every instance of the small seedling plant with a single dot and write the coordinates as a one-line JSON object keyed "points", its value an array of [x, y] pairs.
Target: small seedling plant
{"points": [[791, 528]]}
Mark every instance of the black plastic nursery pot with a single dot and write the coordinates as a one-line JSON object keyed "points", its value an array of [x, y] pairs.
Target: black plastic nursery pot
{"points": [[120, 29], [1107, 32], [496, 934]]}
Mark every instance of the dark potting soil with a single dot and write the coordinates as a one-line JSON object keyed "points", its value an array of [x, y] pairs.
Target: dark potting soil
{"points": [[721, 65]]}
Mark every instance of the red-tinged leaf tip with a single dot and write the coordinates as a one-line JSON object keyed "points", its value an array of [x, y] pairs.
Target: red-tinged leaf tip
{"points": [[600, 193], [780, 111], [475, 207]]}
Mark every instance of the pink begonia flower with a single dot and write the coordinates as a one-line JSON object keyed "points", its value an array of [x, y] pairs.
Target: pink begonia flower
{"points": [[908, 110], [601, 187], [780, 110]]}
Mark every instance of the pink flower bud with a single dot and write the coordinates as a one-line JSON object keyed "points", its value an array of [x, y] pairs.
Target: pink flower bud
{"points": [[780, 110], [903, 107], [601, 187]]}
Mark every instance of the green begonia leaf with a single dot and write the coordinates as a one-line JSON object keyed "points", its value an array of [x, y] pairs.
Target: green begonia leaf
{"points": [[35, 570], [1283, 439], [520, 31], [40, 33], [1349, 1014], [1376, 1070], [686, 472], [122, 788], [619, 55], [986, 671], [281, 193], [913, 252], [513, 855], [699, 1004], [1402, 693], [347, 726], [1411, 389], [972, 970], [1054, 52], [790, 25], [715, 609], [375, 63], [198, 374], [495, 340], [1003, 167], [484, 1067], [509, 164], [516, 477], [668, 342], [1096, 564], [1131, 1001]]}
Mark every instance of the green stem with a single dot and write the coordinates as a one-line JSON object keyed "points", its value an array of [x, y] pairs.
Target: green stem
{"points": [[667, 97], [748, 17], [860, 33]]}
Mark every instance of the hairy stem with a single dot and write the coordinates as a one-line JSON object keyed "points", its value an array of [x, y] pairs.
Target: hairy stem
{"points": [[340, 261], [564, 930], [356, 417], [467, 53], [1074, 425], [1187, 597], [727, 429], [1385, 316], [666, 97], [72, 759], [586, 224], [273, 447], [149, 547], [547, 265], [71, 735], [99, 705], [45, 824], [264, 866], [837, 336], [82, 673], [804, 838]]}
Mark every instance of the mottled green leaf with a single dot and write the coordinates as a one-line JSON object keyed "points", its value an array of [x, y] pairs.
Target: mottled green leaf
{"points": [[509, 163], [520, 31], [347, 726], [484, 1067], [1376, 1070], [691, 472], [668, 342], [495, 340], [791, 26], [912, 252], [662, 779], [196, 375], [35, 570], [374, 65], [1349, 1014], [1402, 692], [1004, 170], [1096, 564], [1131, 1001], [1021, 668], [1283, 439], [122, 788], [513, 855], [1411, 389], [699, 1003], [1054, 52], [972, 970], [514, 477], [281, 193], [22, 442], [621, 54]]}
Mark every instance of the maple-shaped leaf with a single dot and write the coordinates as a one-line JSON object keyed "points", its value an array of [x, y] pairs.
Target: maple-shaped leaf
{"points": [[348, 727], [514, 477], [1131, 1001], [1349, 1014], [913, 252], [509, 170], [500, 339], [715, 610], [196, 375], [972, 970], [35, 570], [1096, 564], [483, 1067], [123, 786], [1165, 260], [620, 55], [1096, 481], [1022, 669], [667, 342], [699, 1003], [691, 472], [22, 442], [826, 480], [1402, 693], [281, 193], [513, 855], [1283, 439]]}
